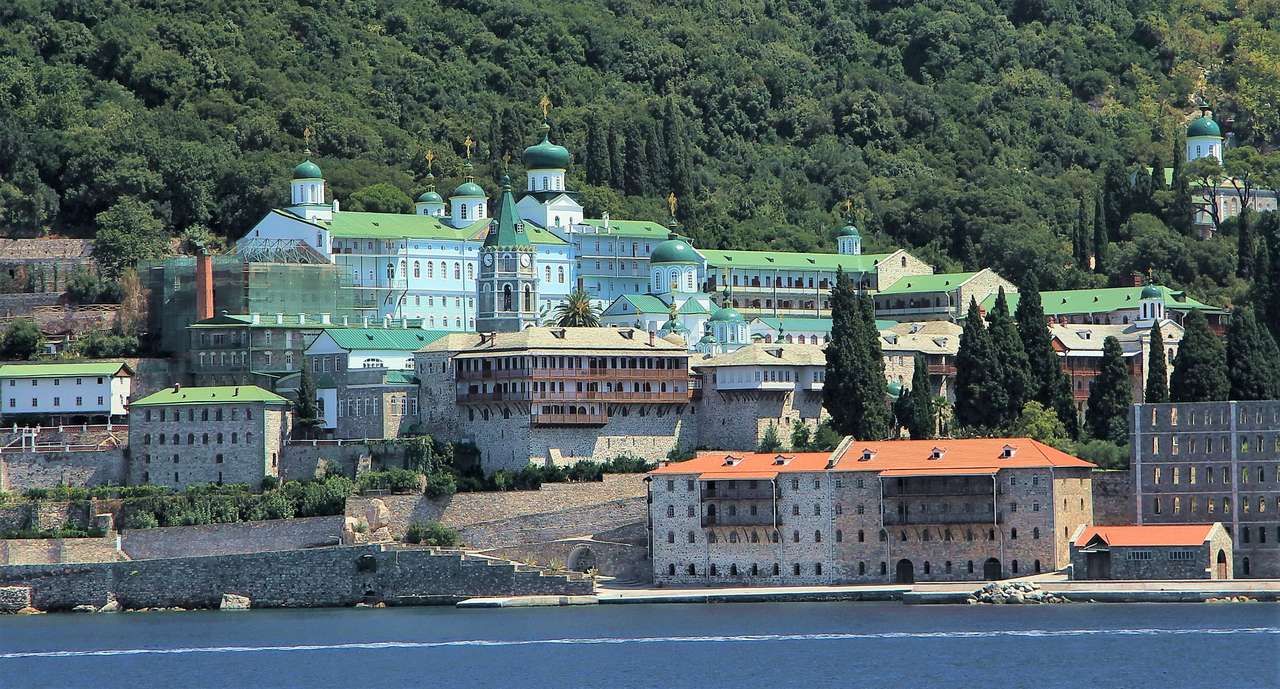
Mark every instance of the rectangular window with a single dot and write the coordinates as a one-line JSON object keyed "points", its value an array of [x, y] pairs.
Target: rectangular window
{"points": [[1138, 555]]}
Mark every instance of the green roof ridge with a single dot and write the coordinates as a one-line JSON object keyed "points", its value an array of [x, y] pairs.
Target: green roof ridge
{"points": [[223, 394]]}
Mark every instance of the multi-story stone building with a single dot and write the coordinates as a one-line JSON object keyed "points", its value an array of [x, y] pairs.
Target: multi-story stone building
{"points": [[946, 510], [1167, 551], [73, 392], [365, 387], [1120, 306], [184, 436], [749, 390], [940, 296], [558, 394], [937, 341], [1198, 462]]}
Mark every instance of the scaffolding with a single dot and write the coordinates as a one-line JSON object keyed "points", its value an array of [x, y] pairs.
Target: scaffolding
{"points": [[292, 284]]}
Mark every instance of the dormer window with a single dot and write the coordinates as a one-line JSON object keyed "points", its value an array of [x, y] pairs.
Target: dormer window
{"points": [[731, 461], [781, 460], [1008, 451], [936, 453], [867, 455]]}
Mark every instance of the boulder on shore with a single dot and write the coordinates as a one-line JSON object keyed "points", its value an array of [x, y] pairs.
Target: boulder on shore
{"points": [[231, 601]]}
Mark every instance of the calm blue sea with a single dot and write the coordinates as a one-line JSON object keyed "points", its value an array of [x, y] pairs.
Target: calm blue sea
{"points": [[768, 645]]}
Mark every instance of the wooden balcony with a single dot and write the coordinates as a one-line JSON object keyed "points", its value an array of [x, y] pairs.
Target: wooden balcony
{"points": [[764, 518], [941, 369], [895, 519], [659, 374], [669, 397]]}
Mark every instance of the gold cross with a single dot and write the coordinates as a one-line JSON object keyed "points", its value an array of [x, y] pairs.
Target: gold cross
{"points": [[848, 206], [671, 203], [430, 156], [506, 161], [306, 137], [545, 104], [468, 143]]}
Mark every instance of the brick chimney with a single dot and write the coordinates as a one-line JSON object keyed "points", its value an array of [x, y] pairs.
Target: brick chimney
{"points": [[204, 286]]}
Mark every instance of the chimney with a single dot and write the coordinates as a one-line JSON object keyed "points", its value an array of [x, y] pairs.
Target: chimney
{"points": [[204, 286], [177, 387], [1136, 279], [256, 318], [651, 338], [324, 319], [279, 319], [302, 319]]}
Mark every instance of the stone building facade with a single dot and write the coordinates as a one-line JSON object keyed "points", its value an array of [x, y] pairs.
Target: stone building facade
{"points": [[747, 391], [1192, 551], [558, 395], [902, 511], [1198, 462], [184, 436]]}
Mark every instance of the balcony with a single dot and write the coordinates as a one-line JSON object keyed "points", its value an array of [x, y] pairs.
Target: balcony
{"points": [[569, 419], [659, 374], [762, 493], [765, 518], [941, 369], [681, 396], [938, 488], [895, 519]]}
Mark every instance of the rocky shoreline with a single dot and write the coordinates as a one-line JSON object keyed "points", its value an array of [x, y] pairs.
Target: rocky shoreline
{"points": [[1014, 593]]}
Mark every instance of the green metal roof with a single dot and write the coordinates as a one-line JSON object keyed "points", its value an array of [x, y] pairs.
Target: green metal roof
{"points": [[406, 339], [810, 324], [719, 259], [1102, 300], [674, 250], [362, 225], [692, 306], [938, 282], [394, 377], [646, 303], [62, 370], [546, 155], [849, 231], [307, 170], [1204, 125], [511, 230], [469, 189], [726, 314], [294, 320], [629, 228], [226, 394]]}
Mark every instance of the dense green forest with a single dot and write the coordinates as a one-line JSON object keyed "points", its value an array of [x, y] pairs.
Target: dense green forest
{"points": [[975, 132]]}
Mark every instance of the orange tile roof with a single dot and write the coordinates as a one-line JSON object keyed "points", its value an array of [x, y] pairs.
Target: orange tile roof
{"points": [[969, 453], [941, 471], [1148, 535], [746, 464]]}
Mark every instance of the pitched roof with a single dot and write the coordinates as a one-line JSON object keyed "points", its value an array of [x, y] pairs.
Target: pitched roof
{"points": [[532, 340], [925, 328], [1104, 300], [643, 229], [1147, 535], [937, 282], [1082, 337], [787, 260], [507, 228], [364, 225], [642, 303], [61, 370], [312, 321], [226, 394], [891, 341], [746, 465], [767, 355], [405, 339], [963, 454]]}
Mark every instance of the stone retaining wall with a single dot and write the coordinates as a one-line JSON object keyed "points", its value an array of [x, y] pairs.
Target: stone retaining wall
{"points": [[319, 577], [37, 551], [20, 471], [14, 598], [228, 539], [1113, 503]]}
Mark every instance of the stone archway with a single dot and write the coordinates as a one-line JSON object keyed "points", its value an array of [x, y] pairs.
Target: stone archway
{"points": [[1221, 572], [991, 569], [581, 559], [905, 572]]}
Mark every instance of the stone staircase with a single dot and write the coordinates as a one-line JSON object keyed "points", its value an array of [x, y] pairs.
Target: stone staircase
{"points": [[483, 575]]}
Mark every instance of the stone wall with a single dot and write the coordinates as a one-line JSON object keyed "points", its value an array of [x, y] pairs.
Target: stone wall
{"points": [[300, 460], [336, 576], [181, 445], [738, 420], [623, 561], [14, 598], [489, 520], [20, 471], [1113, 498], [35, 551], [228, 539]]}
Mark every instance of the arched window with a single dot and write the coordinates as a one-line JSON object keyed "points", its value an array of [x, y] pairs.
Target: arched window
{"points": [[795, 536], [1013, 534], [884, 535], [430, 270], [471, 271], [671, 510], [506, 298], [457, 271], [527, 301], [733, 536], [817, 536], [862, 536], [462, 211], [560, 274], [671, 570], [417, 269], [839, 536], [1035, 533], [671, 537]]}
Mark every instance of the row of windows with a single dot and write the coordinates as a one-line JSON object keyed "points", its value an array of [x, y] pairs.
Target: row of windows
{"points": [[162, 438], [1216, 416], [13, 382], [1257, 443], [1246, 504], [756, 570], [1193, 473], [57, 402], [924, 536], [163, 414]]}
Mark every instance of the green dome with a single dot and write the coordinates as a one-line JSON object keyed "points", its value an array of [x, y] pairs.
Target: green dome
{"points": [[894, 389], [307, 170], [674, 250], [849, 231], [1204, 125], [469, 188], [1151, 292], [708, 339], [430, 196], [726, 314], [546, 155]]}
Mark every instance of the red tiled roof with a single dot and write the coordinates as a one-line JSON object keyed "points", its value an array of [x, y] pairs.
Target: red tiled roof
{"points": [[747, 464], [941, 471], [970, 453], [1147, 535]]}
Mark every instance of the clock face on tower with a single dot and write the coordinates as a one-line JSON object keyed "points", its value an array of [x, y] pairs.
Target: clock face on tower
{"points": [[524, 260], [488, 259]]}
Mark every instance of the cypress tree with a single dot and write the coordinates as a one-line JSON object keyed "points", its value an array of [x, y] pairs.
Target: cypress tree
{"points": [[1143, 187], [1271, 354], [1200, 369], [1157, 388], [904, 413], [1049, 385], [1101, 238], [677, 158], [1080, 237], [874, 411], [510, 135], [598, 162], [1115, 194], [617, 160], [636, 174], [1180, 212], [980, 398], [1244, 244], [1015, 369], [657, 158], [1108, 413], [1260, 290], [306, 411], [838, 390], [1250, 364], [921, 425], [1272, 299]]}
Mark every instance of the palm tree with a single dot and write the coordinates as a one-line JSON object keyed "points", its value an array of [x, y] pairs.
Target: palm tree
{"points": [[577, 312]]}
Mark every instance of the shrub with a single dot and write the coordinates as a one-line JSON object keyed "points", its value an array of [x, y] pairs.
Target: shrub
{"points": [[626, 464], [431, 533], [270, 483], [395, 480], [1104, 453], [325, 498], [585, 470], [440, 484], [140, 519]]}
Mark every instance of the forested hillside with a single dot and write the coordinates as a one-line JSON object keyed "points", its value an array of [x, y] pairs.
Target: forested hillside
{"points": [[976, 132]]}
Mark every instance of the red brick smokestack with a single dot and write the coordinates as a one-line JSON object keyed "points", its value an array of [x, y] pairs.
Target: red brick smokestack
{"points": [[204, 287]]}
